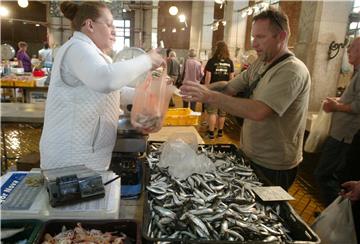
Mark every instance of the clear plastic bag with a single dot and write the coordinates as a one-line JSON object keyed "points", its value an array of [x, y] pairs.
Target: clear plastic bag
{"points": [[318, 132], [151, 101], [336, 224], [179, 154]]}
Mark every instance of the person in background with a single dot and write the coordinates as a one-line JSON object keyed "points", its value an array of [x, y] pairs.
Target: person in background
{"points": [[23, 57], [344, 125], [193, 73], [45, 55], [275, 110], [83, 103], [173, 70], [218, 68], [168, 52]]}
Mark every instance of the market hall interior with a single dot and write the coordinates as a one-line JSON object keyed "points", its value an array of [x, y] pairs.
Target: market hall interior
{"points": [[320, 32]]}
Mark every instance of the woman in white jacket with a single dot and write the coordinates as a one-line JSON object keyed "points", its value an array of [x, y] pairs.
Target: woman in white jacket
{"points": [[82, 107]]}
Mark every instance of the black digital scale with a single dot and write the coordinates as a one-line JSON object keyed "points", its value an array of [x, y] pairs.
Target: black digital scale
{"points": [[72, 184]]}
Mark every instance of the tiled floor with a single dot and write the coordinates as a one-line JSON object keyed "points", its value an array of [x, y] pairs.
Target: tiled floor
{"points": [[21, 139]]}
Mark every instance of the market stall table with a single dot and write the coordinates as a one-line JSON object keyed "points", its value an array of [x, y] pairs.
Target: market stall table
{"points": [[19, 113], [22, 112], [34, 113], [167, 131]]}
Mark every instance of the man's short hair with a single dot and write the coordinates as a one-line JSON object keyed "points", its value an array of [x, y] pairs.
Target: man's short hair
{"points": [[192, 53], [279, 21]]}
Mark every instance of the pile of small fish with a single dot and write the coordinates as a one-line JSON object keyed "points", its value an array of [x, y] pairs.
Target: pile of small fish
{"points": [[81, 235], [215, 206]]}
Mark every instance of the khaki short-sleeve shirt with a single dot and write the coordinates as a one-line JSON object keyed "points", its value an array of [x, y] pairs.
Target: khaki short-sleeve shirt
{"points": [[276, 142]]}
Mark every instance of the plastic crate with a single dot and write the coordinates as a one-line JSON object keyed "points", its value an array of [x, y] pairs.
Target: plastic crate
{"points": [[181, 116], [5, 82], [129, 227], [30, 233], [300, 232], [25, 83]]}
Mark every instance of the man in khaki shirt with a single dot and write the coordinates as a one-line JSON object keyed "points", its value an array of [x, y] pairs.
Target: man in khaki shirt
{"points": [[274, 113]]}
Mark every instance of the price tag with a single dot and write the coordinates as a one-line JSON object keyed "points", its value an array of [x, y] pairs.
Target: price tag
{"points": [[272, 193]]}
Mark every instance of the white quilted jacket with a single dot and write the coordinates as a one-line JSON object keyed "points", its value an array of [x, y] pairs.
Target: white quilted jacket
{"points": [[82, 107]]}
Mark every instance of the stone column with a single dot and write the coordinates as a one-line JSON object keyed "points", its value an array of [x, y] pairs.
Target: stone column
{"points": [[196, 25], [154, 24], [206, 31], [320, 24], [235, 29]]}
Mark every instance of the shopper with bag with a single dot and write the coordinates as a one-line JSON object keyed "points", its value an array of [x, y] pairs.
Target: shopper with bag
{"points": [[339, 222], [344, 125], [275, 111], [83, 103]]}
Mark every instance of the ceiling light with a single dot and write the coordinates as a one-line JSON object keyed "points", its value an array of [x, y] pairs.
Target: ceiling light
{"points": [[37, 25], [23, 3], [183, 28], [220, 1], [163, 30], [173, 10], [182, 18], [173, 30], [4, 11]]}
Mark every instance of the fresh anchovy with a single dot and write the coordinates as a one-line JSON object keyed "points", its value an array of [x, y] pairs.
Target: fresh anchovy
{"points": [[202, 211], [198, 223], [165, 212], [235, 234]]}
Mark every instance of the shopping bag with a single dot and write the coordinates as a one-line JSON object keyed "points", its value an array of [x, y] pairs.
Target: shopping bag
{"points": [[151, 101], [336, 224], [319, 131]]}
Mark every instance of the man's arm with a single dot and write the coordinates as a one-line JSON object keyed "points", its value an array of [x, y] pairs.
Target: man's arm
{"points": [[245, 108], [241, 107], [332, 104], [207, 77]]}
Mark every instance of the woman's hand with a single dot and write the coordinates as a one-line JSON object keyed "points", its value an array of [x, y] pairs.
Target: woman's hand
{"points": [[156, 59]]}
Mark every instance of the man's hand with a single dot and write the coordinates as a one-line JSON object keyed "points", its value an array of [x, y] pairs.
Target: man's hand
{"points": [[330, 104], [333, 104], [156, 59], [192, 91], [351, 190]]}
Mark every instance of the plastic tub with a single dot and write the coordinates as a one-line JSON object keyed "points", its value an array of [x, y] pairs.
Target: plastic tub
{"points": [[30, 233], [300, 232], [128, 227], [181, 116]]}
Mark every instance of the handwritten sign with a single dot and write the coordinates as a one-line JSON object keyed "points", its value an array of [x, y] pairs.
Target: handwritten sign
{"points": [[272, 193]]}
